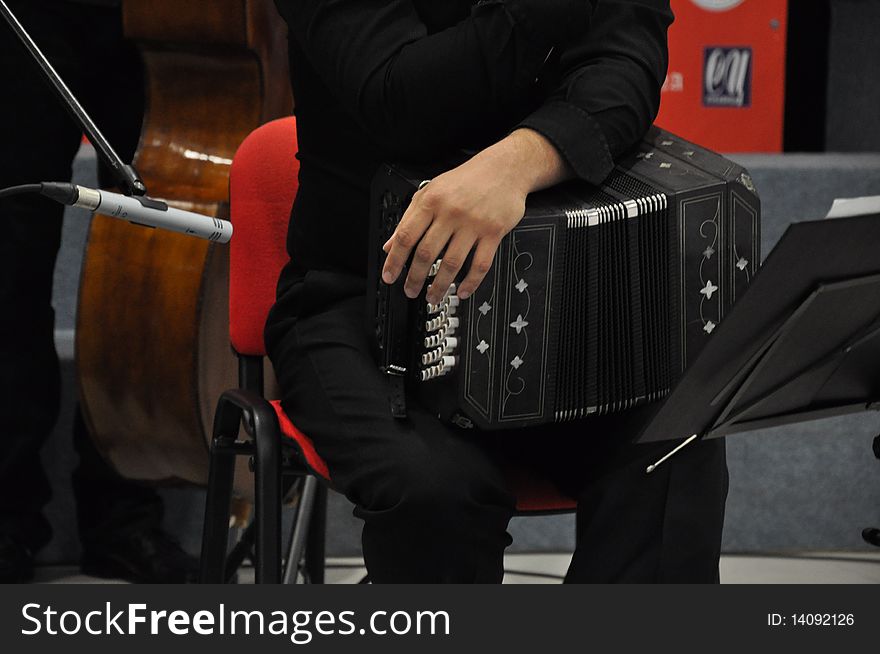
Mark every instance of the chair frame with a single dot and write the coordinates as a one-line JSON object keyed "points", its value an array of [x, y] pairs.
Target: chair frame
{"points": [[272, 460]]}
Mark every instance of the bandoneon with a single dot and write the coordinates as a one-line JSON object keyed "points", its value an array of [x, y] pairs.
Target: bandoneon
{"points": [[595, 303]]}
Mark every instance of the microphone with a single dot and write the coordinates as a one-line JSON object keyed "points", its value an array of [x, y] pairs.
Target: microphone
{"points": [[139, 210]]}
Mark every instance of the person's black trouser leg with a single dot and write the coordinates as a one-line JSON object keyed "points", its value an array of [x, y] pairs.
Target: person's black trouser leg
{"points": [[665, 527], [29, 371], [632, 527], [39, 141], [109, 508]]}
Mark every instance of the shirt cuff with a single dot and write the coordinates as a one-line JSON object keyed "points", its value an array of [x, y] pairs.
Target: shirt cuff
{"points": [[576, 135]]}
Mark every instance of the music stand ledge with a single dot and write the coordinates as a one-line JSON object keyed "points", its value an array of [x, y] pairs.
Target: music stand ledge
{"points": [[803, 343]]}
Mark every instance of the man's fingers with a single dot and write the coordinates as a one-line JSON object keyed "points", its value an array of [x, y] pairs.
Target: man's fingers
{"points": [[416, 220], [480, 265], [453, 259], [427, 252]]}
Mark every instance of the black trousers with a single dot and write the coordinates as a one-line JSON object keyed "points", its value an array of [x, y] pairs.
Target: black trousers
{"points": [[434, 499], [39, 141]]}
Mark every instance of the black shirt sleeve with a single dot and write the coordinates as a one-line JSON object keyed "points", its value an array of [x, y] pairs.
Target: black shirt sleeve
{"points": [[610, 93], [415, 92]]}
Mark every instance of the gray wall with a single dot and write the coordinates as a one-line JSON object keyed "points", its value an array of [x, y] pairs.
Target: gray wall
{"points": [[813, 486]]}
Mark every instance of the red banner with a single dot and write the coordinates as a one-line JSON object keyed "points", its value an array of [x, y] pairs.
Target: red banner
{"points": [[726, 83]]}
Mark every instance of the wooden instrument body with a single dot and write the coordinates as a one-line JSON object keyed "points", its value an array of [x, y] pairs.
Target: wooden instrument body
{"points": [[152, 344]]}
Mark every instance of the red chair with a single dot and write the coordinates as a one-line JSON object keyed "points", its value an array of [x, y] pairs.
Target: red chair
{"points": [[263, 184]]}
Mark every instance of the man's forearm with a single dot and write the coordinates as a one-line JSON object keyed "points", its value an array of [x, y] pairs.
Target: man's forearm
{"points": [[527, 159], [610, 93]]}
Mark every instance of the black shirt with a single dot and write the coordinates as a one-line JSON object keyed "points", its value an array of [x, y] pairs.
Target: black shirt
{"points": [[415, 80]]}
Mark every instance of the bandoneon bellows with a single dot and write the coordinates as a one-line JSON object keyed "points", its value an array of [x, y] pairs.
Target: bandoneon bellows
{"points": [[596, 302]]}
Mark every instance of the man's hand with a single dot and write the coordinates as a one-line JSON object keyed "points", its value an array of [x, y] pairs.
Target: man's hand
{"points": [[471, 207]]}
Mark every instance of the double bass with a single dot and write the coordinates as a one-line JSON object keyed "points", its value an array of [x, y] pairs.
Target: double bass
{"points": [[152, 342]]}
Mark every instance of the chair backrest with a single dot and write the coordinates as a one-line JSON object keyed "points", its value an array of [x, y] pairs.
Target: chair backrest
{"points": [[262, 185]]}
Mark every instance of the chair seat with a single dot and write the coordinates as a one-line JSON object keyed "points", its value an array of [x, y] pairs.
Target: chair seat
{"points": [[534, 494], [303, 443]]}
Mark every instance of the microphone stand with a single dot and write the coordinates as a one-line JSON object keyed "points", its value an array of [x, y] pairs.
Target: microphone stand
{"points": [[125, 175]]}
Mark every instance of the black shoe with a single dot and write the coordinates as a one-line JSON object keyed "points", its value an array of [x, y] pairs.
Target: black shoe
{"points": [[16, 561], [150, 557]]}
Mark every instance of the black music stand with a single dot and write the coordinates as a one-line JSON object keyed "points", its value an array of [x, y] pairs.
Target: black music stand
{"points": [[802, 343]]}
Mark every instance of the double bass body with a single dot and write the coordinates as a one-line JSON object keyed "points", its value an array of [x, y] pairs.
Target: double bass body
{"points": [[152, 341]]}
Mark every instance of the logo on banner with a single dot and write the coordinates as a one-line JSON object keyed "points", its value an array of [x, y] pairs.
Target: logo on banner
{"points": [[717, 5], [727, 77]]}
